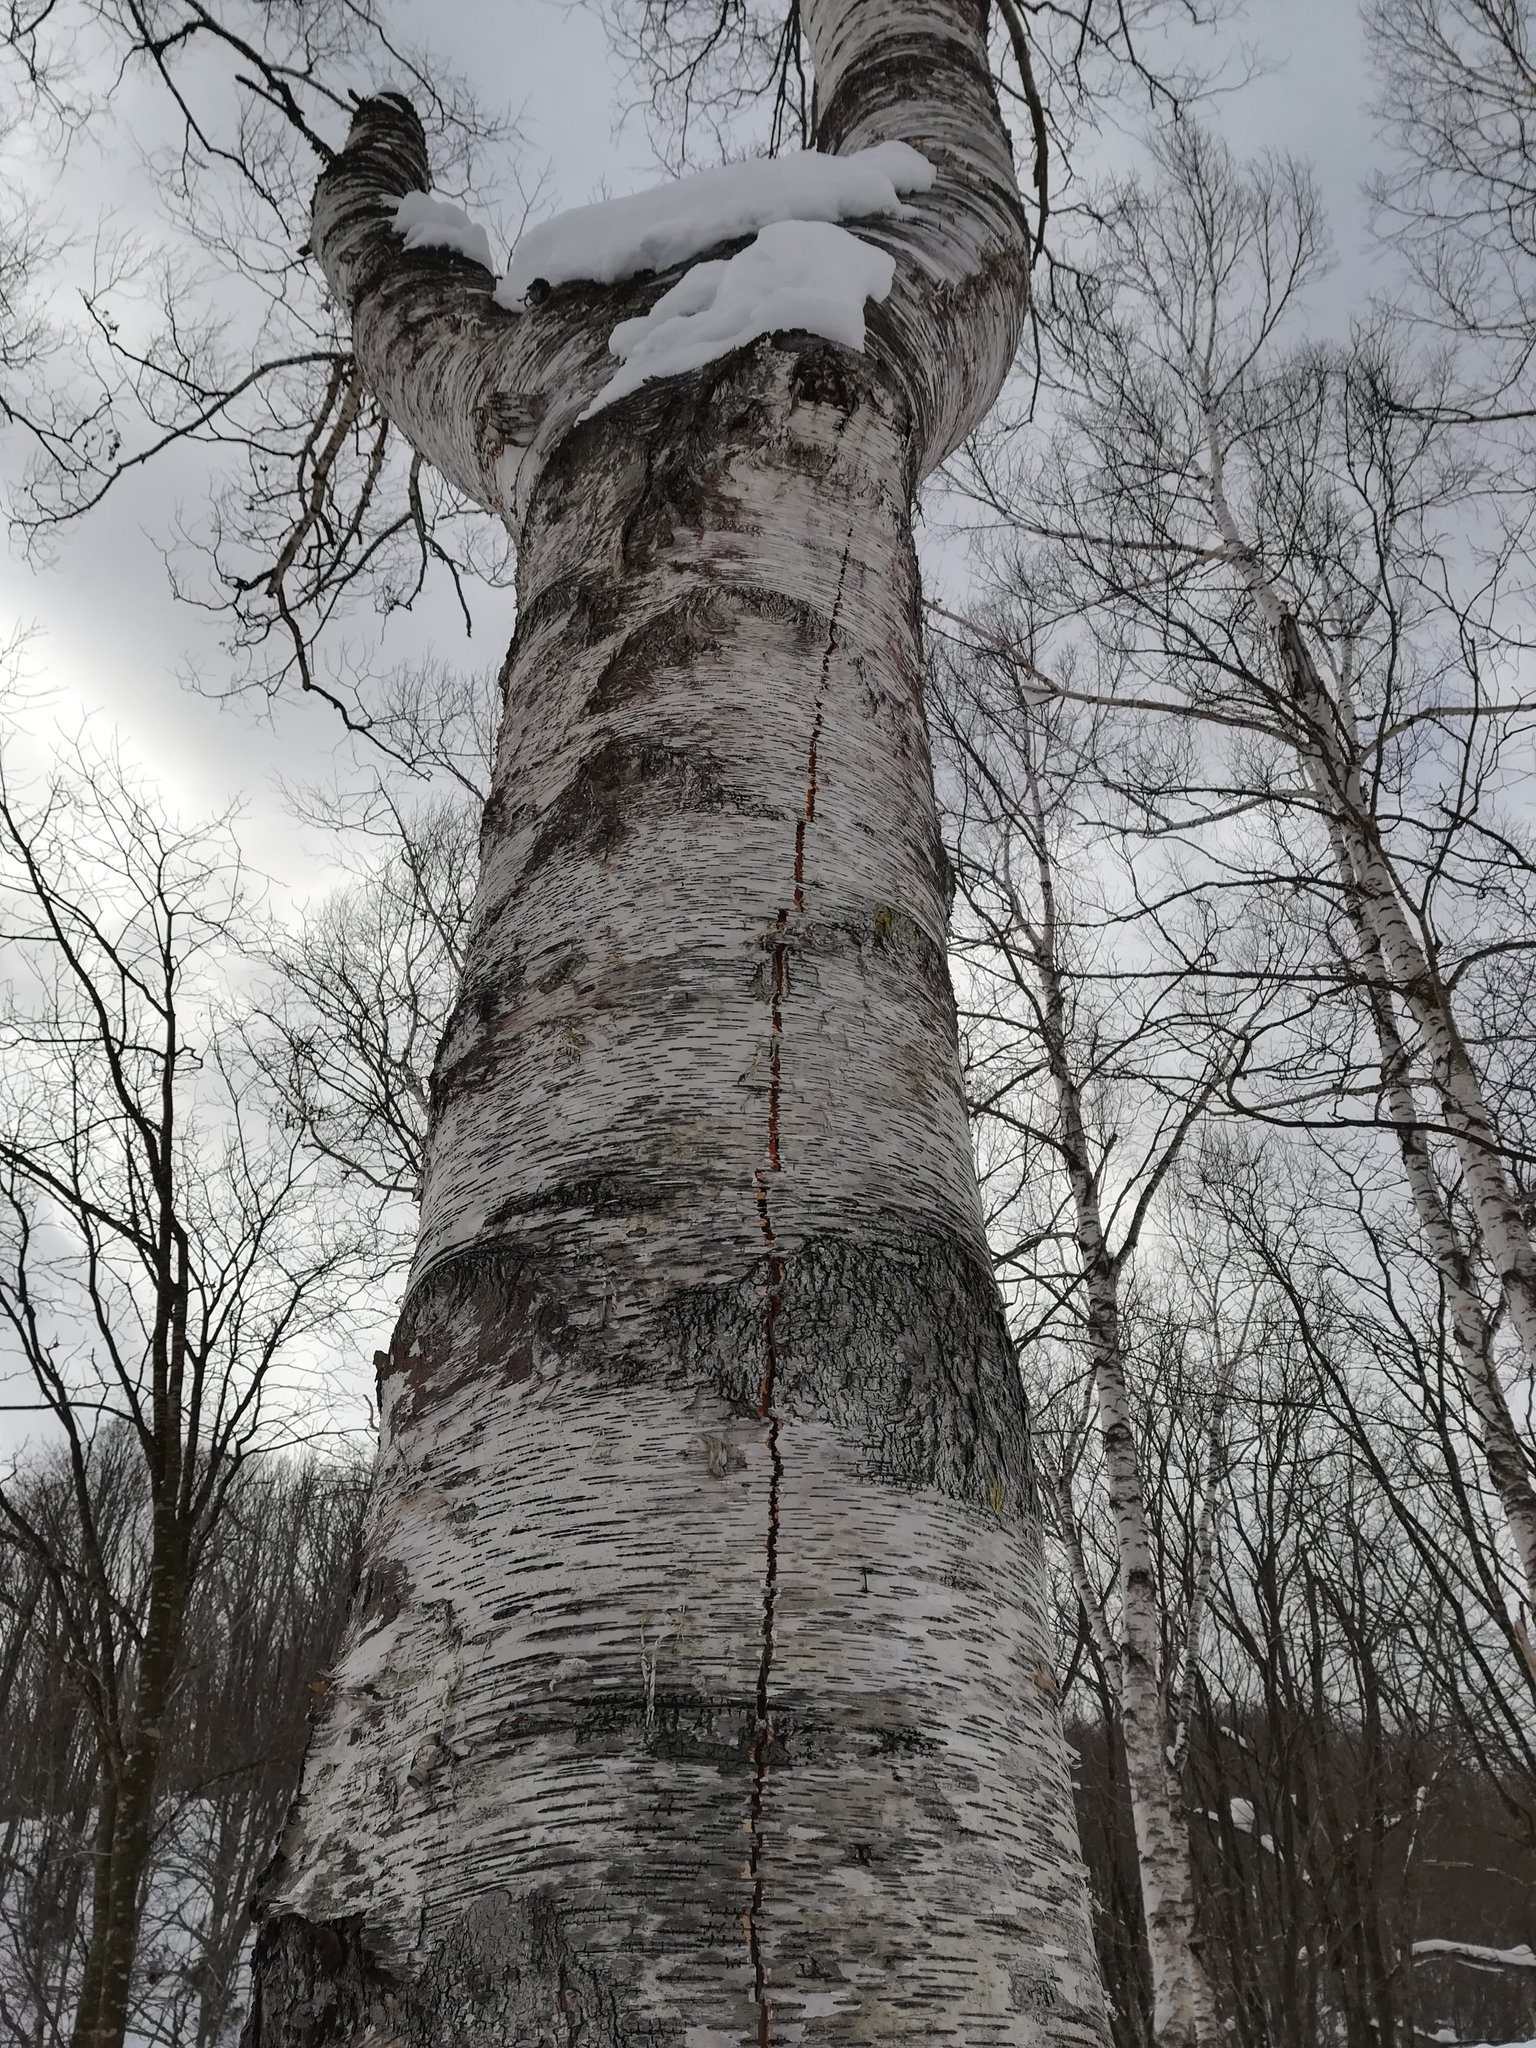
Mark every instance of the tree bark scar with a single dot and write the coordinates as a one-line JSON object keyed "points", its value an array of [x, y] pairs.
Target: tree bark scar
{"points": [[762, 1740], [807, 816]]}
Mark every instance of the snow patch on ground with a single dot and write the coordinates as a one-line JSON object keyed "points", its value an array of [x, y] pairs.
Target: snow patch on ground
{"points": [[668, 224], [428, 223], [797, 274]]}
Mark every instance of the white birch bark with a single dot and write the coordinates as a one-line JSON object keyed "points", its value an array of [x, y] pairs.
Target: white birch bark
{"points": [[1335, 766], [1471, 1330], [1395, 965], [1183, 2006], [698, 1692]]}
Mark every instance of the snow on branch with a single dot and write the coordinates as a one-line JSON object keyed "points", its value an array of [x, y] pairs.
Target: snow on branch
{"points": [[655, 229], [428, 223], [797, 275], [1519, 1958]]}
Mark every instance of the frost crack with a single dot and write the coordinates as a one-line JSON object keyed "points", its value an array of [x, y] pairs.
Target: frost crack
{"points": [[762, 1740]]}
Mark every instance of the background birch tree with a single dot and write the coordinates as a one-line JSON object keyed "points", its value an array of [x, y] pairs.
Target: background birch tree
{"points": [[1272, 533], [1092, 1050]]}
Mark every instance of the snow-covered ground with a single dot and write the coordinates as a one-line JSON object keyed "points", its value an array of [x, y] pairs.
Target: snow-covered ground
{"points": [[1521, 1957]]}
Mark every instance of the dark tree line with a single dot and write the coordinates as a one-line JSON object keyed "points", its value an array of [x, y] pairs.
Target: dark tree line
{"points": [[257, 1641]]}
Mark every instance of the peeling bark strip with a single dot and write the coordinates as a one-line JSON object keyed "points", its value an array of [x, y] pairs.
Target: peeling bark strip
{"points": [[691, 1696]]}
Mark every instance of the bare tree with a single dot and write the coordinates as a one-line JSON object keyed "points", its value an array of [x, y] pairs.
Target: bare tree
{"points": [[364, 987], [1355, 1584], [363, 982], [1458, 92], [200, 329], [1094, 1049], [261, 1624], [167, 1265], [1268, 536]]}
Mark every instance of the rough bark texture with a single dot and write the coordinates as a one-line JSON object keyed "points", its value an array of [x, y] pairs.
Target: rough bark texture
{"points": [[697, 1690]]}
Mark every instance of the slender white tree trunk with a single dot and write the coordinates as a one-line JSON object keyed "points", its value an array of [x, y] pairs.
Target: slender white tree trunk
{"points": [[1395, 966], [1183, 2007], [698, 1691], [1508, 1466], [1334, 762]]}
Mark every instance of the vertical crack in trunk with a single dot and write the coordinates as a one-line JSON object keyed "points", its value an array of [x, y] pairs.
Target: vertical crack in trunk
{"points": [[773, 1309]]}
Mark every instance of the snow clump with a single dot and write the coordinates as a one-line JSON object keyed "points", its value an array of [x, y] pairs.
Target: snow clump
{"points": [[800, 274], [803, 272], [428, 223], [655, 229]]}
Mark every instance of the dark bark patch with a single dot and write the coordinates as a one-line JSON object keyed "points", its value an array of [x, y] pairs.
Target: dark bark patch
{"points": [[696, 626], [902, 76], [719, 1733], [622, 778], [682, 1726], [901, 1346], [673, 640], [477, 1038], [508, 1971], [682, 481], [896, 942], [385, 1588], [483, 997], [619, 1191], [507, 419], [823, 374], [315, 1985], [494, 1315], [559, 974], [906, 1741]]}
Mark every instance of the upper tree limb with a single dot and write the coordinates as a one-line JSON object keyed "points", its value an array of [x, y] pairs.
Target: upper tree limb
{"points": [[484, 392]]}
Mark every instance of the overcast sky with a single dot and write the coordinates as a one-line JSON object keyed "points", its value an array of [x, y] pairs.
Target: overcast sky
{"points": [[114, 643]]}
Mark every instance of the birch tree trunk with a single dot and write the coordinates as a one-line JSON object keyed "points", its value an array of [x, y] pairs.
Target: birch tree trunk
{"points": [[697, 1690], [1183, 2007], [1397, 967], [1508, 1464], [1376, 908]]}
